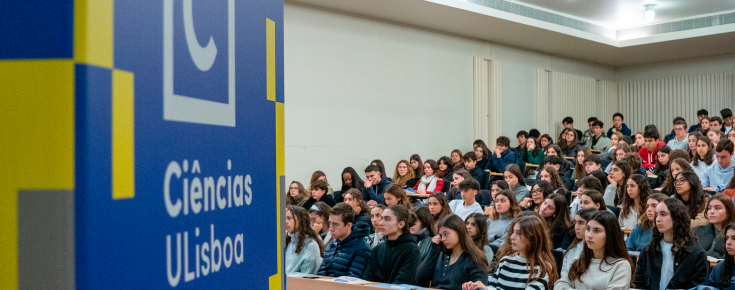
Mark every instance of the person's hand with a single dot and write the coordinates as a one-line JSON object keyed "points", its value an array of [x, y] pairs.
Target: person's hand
{"points": [[317, 227], [436, 239], [372, 203], [614, 130], [421, 191], [709, 189], [473, 285], [611, 181], [368, 183], [489, 210], [498, 151], [531, 147], [658, 189], [526, 202]]}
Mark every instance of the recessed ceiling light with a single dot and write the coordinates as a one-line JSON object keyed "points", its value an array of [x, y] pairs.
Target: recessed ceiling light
{"points": [[650, 13]]}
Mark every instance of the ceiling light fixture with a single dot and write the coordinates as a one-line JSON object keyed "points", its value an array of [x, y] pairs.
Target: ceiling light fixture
{"points": [[650, 13]]}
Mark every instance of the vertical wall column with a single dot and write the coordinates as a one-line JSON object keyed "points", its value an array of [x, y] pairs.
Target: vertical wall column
{"points": [[487, 114]]}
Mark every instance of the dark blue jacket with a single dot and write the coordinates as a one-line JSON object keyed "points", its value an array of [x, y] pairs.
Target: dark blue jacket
{"points": [[694, 128], [714, 277], [498, 164], [375, 192], [349, 257], [625, 131]]}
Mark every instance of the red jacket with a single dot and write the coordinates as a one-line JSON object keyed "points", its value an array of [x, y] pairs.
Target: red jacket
{"points": [[438, 188], [649, 158]]}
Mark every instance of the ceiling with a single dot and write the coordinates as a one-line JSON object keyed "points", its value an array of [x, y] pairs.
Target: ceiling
{"points": [[472, 20], [628, 13]]}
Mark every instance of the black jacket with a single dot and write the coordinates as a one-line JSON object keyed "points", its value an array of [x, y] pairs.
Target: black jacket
{"points": [[427, 248], [394, 262], [325, 199], [477, 174], [713, 245], [363, 221], [436, 271], [375, 192], [689, 271]]}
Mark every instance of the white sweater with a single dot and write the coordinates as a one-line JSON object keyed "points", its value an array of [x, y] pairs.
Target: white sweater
{"points": [[630, 221], [306, 262], [570, 256], [458, 208], [615, 274]]}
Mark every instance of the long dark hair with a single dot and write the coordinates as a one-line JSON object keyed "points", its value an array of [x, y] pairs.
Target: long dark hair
{"points": [[729, 263], [596, 197], [644, 190], [450, 166], [515, 170], [535, 232], [556, 181], [565, 147], [357, 197], [579, 170], [561, 213], [624, 167], [301, 219], [586, 214], [708, 158], [456, 224], [551, 141], [380, 166], [668, 185], [485, 151], [614, 247], [513, 209], [418, 172], [480, 240], [660, 167], [729, 209], [536, 150], [421, 214], [646, 224], [397, 191], [402, 215], [683, 236], [546, 190], [434, 167], [442, 199], [356, 180], [697, 197]]}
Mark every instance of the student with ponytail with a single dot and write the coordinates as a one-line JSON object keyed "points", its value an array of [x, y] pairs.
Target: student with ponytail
{"points": [[396, 260], [604, 262], [460, 260]]}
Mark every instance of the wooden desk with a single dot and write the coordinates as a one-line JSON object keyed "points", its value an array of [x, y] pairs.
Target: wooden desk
{"points": [[531, 165], [595, 151], [493, 173], [569, 158], [626, 231], [574, 194], [294, 283], [417, 195], [712, 261]]}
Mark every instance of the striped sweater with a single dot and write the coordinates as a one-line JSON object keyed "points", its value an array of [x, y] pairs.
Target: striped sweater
{"points": [[512, 274]]}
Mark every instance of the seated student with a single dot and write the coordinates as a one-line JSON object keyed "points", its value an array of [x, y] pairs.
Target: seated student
{"points": [[731, 136], [531, 267], [478, 142], [396, 196], [363, 217], [396, 260], [592, 163], [715, 124], [673, 259], [319, 193], [505, 210], [459, 261], [470, 164], [522, 137], [598, 140], [568, 143], [456, 157], [721, 276], [502, 156], [579, 170], [375, 186], [618, 126], [604, 262], [544, 141], [350, 179], [584, 184], [618, 180], [423, 229], [477, 229], [349, 254], [635, 161], [557, 163], [703, 156], [719, 174], [715, 136], [679, 141], [319, 220], [689, 191], [304, 249], [467, 205], [614, 143], [483, 155], [648, 152], [720, 213], [319, 175], [433, 181], [403, 176], [587, 135], [446, 168], [376, 216], [534, 154], [555, 212], [539, 192], [701, 115], [636, 193], [438, 207], [513, 176], [639, 141], [566, 166], [640, 236], [678, 165], [730, 189], [705, 126], [726, 115], [297, 195], [592, 199], [568, 123], [662, 167], [495, 188], [618, 155], [692, 144], [574, 242], [550, 174], [417, 165], [379, 164], [458, 176]]}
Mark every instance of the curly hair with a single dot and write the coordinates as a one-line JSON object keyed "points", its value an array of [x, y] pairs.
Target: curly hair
{"points": [[513, 209], [303, 194], [301, 223], [627, 170], [697, 196], [397, 191], [556, 181], [708, 157], [668, 185], [644, 190], [401, 180], [683, 236], [357, 197]]}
